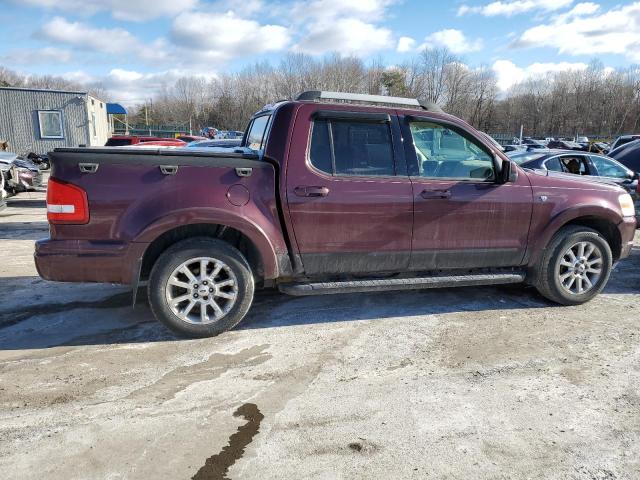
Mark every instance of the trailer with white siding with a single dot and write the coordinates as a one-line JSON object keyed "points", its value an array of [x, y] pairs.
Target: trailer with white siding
{"points": [[35, 120]]}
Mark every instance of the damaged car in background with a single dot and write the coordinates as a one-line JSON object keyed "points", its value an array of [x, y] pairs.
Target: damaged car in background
{"points": [[20, 175]]}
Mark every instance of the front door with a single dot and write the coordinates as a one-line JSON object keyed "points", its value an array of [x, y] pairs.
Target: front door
{"points": [[349, 197], [463, 218]]}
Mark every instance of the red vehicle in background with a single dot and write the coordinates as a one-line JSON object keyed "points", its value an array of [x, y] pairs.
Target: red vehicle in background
{"points": [[128, 140], [167, 142]]}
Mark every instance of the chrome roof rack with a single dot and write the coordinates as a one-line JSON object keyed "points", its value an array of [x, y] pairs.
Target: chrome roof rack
{"points": [[316, 96]]}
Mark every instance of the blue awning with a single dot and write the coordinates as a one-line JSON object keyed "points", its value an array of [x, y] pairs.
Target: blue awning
{"points": [[115, 109]]}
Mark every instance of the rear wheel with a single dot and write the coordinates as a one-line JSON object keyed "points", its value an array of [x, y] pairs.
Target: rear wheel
{"points": [[575, 267], [201, 287]]}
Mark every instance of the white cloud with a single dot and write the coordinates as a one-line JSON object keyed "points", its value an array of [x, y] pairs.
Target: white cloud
{"points": [[516, 7], [405, 44], [226, 35], [130, 10], [105, 40], [130, 87], [454, 40], [585, 8], [27, 56], [79, 76], [200, 38], [509, 74], [346, 36], [347, 27], [585, 32], [318, 10]]}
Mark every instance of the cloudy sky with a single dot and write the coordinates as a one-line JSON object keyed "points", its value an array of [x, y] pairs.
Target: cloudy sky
{"points": [[132, 47]]}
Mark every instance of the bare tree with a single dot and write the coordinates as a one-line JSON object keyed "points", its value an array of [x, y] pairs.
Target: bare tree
{"points": [[594, 101]]}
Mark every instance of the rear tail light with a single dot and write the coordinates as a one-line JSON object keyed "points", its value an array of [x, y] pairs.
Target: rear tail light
{"points": [[66, 203]]}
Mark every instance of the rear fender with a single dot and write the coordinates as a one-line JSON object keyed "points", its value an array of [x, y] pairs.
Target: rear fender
{"points": [[267, 248]]}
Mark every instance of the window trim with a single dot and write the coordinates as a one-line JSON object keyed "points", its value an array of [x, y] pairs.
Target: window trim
{"points": [[363, 117], [335, 175], [479, 142], [61, 122]]}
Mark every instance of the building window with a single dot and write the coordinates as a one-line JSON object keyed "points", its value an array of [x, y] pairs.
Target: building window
{"points": [[50, 122], [93, 123]]}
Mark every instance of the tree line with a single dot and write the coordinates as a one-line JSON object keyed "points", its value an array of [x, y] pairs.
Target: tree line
{"points": [[10, 78], [593, 101]]}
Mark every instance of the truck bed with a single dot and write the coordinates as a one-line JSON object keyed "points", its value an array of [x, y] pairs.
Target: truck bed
{"points": [[132, 201]]}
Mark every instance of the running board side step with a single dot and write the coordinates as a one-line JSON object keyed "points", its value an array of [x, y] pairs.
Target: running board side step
{"points": [[377, 285]]}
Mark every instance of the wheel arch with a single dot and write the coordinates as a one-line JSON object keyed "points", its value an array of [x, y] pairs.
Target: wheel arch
{"points": [[604, 227], [598, 219], [261, 266]]}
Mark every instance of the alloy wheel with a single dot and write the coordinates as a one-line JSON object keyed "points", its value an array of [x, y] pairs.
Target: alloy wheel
{"points": [[580, 267], [201, 290]]}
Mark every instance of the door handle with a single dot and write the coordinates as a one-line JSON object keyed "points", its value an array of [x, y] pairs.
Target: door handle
{"points": [[311, 191], [434, 194]]}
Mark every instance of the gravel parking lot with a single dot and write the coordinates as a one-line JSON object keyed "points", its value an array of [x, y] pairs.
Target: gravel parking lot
{"points": [[470, 383]]}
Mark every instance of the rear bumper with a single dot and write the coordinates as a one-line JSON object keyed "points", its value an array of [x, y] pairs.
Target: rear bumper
{"points": [[627, 229], [87, 261]]}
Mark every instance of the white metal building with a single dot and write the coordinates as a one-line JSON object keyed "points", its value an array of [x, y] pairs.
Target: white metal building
{"points": [[33, 120]]}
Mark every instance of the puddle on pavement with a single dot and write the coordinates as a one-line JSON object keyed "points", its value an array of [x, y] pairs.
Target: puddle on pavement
{"points": [[217, 466]]}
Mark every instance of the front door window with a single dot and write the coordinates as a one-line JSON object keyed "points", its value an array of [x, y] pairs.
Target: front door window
{"points": [[445, 153]]}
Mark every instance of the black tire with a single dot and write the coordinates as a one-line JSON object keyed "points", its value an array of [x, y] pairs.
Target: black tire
{"points": [[195, 248], [548, 280]]}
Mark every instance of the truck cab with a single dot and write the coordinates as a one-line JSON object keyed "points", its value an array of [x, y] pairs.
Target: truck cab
{"points": [[330, 193]]}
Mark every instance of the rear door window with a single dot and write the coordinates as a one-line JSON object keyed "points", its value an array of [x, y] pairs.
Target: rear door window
{"points": [[575, 164], [349, 147], [257, 132]]}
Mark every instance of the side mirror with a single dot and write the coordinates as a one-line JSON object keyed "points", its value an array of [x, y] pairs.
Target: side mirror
{"points": [[508, 172]]}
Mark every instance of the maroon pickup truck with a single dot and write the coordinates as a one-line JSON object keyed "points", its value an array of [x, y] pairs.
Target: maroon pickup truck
{"points": [[331, 193]]}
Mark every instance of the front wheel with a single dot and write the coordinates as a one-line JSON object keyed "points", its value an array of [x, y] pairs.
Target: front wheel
{"points": [[201, 287], [575, 267]]}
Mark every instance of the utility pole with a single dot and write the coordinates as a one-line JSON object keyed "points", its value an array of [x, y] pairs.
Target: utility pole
{"points": [[521, 132], [146, 116]]}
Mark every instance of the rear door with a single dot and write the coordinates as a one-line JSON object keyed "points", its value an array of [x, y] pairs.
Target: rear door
{"points": [[463, 218], [349, 198]]}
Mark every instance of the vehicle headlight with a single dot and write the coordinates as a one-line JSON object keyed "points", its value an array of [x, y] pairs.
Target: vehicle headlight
{"points": [[626, 205]]}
